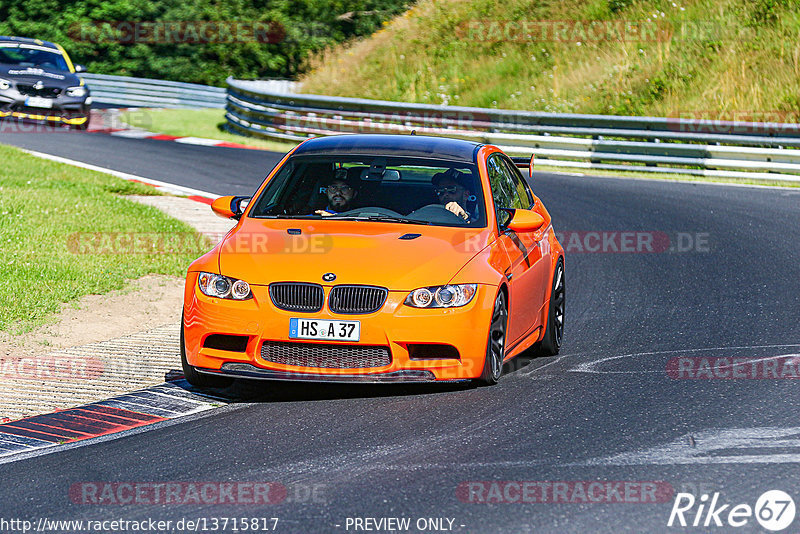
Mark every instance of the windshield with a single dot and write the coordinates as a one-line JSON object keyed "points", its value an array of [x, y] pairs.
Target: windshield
{"points": [[32, 56], [395, 189]]}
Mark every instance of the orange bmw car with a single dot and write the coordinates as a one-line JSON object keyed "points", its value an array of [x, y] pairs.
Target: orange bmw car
{"points": [[377, 258]]}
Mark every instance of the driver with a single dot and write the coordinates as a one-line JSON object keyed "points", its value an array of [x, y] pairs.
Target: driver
{"points": [[341, 193], [453, 192]]}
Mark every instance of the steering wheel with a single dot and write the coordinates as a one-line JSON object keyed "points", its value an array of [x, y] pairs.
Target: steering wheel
{"points": [[436, 213], [371, 210]]}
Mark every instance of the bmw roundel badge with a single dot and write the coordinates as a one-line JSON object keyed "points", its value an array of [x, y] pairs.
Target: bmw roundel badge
{"points": [[329, 277]]}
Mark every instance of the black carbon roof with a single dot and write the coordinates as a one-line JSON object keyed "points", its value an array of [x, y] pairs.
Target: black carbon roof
{"points": [[26, 40], [417, 146]]}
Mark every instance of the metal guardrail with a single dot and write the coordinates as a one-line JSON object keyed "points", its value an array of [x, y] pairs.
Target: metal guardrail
{"points": [[757, 151], [145, 92]]}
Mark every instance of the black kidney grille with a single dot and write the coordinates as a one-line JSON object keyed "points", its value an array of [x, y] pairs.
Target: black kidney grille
{"points": [[357, 299], [326, 355], [47, 92], [298, 297]]}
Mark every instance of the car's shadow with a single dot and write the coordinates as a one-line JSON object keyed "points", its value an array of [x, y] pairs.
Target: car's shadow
{"points": [[243, 390], [250, 390]]}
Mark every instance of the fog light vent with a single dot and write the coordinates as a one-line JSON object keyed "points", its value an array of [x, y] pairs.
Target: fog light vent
{"points": [[432, 351], [226, 342]]}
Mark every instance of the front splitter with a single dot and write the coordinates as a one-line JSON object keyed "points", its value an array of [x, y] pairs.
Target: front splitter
{"points": [[245, 370]]}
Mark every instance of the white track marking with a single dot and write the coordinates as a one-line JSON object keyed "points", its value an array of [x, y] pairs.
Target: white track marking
{"points": [[134, 134], [589, 367], [198, 141], [164, 186]]}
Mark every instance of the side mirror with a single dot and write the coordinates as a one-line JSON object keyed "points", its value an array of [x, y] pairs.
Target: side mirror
{"points": [[80, 68], [230, 207], [525, 221]]}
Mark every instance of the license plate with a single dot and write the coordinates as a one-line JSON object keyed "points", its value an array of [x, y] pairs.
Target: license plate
{"points": [[38, 102], [324, 329]]}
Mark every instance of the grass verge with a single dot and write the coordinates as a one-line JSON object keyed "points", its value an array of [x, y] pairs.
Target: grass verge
{"points": [[205, 123], [722, 59], [67, 232]]}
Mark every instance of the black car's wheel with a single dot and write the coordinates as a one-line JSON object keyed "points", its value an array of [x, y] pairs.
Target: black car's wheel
{"points": [[199, 379], [496, 344], [554, 332], [81, 127]]}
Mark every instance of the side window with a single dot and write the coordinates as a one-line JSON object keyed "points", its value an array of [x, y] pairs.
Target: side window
{"points": [[523, 190], [275, 189], [504, 189]]}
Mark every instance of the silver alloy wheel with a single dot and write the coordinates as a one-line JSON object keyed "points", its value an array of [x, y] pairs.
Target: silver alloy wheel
{"points": [[558, 303]]}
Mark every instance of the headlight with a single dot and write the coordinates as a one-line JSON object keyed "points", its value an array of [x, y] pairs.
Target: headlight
{"points": [[4, 84], [450, 296], [222, 287], [76, 92]]}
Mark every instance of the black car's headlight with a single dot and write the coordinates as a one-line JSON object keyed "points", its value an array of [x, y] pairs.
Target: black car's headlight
{"points": [[4, 84], [76, 92], [222, 287], [449, 296]]}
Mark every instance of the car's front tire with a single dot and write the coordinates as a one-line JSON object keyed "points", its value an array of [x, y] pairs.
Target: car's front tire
{"points": [[554, 331], [82, 127], [496, 344], [198, 379]]}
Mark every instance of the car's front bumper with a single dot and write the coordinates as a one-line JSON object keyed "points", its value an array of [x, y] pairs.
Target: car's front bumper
{"points": [[396, 327], [73, 111]]}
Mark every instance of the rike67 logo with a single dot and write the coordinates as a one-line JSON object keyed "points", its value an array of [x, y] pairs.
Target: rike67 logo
{"points": [[774, 510]]}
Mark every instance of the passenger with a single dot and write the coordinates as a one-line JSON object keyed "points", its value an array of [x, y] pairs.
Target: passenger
{"points": [[452, 190], [341, 193]]}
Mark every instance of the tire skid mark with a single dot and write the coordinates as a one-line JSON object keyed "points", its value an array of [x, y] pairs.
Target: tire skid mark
{"points": [[750, 445]]}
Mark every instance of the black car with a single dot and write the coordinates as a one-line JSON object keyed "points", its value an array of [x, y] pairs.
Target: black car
{"points": [[39, 82]]}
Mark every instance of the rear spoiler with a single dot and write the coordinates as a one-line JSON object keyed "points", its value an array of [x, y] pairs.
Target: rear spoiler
{"points": [[525, 163]]}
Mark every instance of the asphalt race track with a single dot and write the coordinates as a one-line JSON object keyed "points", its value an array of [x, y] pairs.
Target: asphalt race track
{"points": [[238, 173], [613, 407]]}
